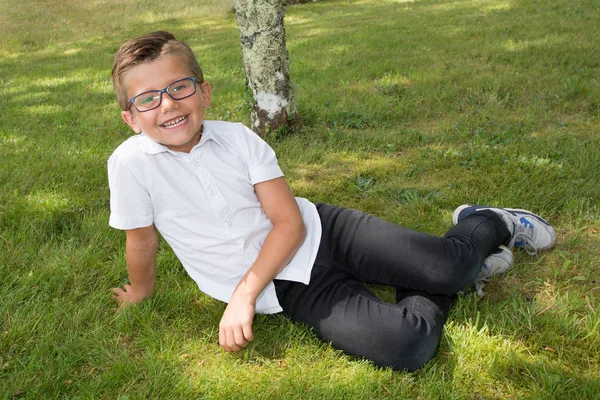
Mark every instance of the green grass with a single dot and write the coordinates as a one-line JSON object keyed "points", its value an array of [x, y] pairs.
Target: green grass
{"points": [[409, 109]]}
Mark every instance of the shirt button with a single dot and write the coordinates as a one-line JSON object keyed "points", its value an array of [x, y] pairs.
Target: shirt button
{"points": [[197, 163], [229, 224]]}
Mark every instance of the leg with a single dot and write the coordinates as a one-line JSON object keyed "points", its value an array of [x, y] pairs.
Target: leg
{"points": [[375, 251], [344, 312], [527, 230]]}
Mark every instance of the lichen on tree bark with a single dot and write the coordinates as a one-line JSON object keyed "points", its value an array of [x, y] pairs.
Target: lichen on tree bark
{"points": [[266, 61]]}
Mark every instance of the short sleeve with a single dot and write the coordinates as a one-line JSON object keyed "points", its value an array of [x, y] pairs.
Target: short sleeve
{"points": [[261, 159], [130, 203]]}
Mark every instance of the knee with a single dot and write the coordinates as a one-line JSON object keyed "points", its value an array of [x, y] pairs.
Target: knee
{"points": [[400, 349], [455, 275], [411, 353], [420, 331], [409, 348]]}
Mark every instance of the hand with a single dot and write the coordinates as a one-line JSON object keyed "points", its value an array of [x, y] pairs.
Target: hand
{"points": [[235, 328], [126, 296]]}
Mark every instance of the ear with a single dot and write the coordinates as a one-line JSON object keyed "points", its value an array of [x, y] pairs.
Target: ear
{"points": [[130, 120], [206, 90]]}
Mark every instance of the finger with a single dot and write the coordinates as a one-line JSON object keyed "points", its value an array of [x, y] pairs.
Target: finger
{"points": [[247, 329], [116, 291], [238, 336], [222, 341], [118, 297], [120, 303], [231, 343]]}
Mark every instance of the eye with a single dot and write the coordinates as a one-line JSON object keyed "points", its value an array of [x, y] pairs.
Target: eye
{"points": [[147, 98], [179, 87]]}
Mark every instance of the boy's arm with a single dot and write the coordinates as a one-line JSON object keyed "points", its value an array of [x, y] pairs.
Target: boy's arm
{"points": [[282, 242], [140, 255]]}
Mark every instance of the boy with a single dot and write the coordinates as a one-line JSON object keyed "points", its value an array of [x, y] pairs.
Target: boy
{"points": [[215, 192]]}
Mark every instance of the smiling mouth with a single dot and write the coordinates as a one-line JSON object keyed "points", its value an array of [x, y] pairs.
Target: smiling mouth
{"points": [[174, 122]]}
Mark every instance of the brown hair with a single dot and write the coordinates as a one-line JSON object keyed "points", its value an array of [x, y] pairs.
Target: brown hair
{"points": [[145, 49]]}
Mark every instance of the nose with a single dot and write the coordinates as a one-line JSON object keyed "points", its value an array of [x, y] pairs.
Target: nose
{"points": [[167, 103]]}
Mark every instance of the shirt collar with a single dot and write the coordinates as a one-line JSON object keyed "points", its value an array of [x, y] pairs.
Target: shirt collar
{"points": [[149, 146], [207, 134]]}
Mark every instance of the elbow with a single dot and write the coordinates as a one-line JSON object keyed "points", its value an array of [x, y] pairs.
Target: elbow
{"points": [[301, 231], [294, 231], [292, 228]]}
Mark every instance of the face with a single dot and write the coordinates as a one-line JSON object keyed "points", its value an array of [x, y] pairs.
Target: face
{"points": [[176, 124]]}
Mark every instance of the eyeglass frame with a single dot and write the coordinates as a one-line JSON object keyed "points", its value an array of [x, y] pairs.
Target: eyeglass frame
{"points": [[160, 93]]}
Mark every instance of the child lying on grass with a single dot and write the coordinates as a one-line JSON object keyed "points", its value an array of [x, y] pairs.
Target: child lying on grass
{"points": [[215, 192]]}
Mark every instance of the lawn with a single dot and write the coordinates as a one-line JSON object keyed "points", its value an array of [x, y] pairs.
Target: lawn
{"points": [[409, 109]]}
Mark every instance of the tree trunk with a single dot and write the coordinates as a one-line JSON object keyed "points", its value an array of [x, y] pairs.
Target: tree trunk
{"points": [[262, 36]]}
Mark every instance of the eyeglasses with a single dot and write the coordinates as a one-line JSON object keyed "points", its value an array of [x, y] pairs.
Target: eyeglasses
{"points": [[178, 90]]}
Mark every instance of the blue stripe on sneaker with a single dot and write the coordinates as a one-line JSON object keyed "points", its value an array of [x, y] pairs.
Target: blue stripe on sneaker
{"points": [[515, 211], [526, 222]]}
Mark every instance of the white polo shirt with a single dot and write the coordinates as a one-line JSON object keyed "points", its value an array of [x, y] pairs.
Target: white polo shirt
{"points": [[204, 205]]}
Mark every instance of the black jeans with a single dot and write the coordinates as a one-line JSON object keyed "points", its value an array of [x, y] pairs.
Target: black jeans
{"points": [[358, 249]]}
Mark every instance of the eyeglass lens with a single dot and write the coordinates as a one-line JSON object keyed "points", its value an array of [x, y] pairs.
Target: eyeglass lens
{"points": [[178, 90]]}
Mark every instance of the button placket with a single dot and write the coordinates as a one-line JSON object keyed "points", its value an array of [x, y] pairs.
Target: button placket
{"points": [[217, 201]]}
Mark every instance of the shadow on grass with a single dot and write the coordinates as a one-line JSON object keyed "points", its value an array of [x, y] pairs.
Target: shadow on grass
{"points": [[405, 66]]}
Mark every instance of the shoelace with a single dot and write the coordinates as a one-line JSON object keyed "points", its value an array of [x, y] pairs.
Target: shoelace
{"points": [[527, 240], [479, 287]]}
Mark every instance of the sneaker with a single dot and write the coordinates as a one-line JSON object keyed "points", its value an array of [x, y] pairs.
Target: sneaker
{"points": [[497, 263], [528, 230]]}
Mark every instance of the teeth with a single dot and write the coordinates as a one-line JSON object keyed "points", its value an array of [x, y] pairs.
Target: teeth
{"points": [[174, 123]]}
